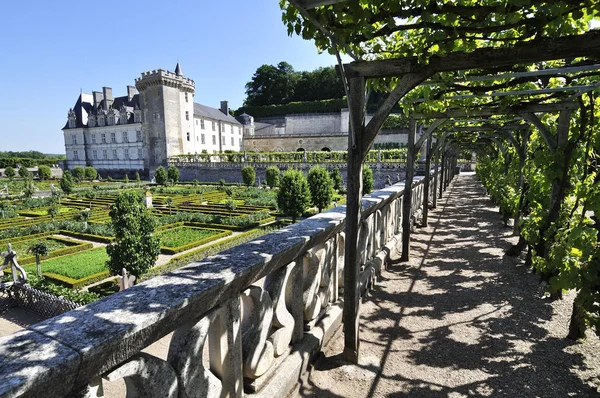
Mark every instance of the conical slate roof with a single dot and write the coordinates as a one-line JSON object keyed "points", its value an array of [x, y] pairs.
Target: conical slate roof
{"points": [[178, 71]]}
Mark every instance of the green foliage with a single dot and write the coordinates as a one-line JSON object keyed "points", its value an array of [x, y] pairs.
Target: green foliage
{"points": [[23, 172], [126, 179], [135, 247], [368, 183], [66, 182], [90, 173], [176, 237], [294, 195], [160, 175], [44, 173], [321, 106], [173, 174], [336, 177], [61, 291], [272, 176], [53, 210], [321, 187], [10, 173], [137, 177], [248, 175], [78, 173]]}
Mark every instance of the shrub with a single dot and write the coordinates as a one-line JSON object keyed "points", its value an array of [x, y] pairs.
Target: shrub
{"points": [[66, 182], [160, 175], [294, 195], [79, 173], [10, 173], [368, 184], [23, 172], [91, 173], [321, 187], [248, 175], [272, 175], [336, 177], [173, 174], [44, 173]]}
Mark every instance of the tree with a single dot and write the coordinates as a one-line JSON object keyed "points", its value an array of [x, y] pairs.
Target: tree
{"points": [[160, 175], [135, 247], [23, 172], [126, 179], [367, 175], [38, 249], [273, 173], [90, 173], [84, 216], [66, 182], [28, 187], [320, 84], [248, 175], [231, 205], [137, 177], [321, 187], [79, 174], [173, 174], [169, 204], [336, 177], [53, 211], [44, 173], [293, 196], [271, 85], [10, 173]]}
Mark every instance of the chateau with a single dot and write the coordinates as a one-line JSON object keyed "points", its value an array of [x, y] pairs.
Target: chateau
{"points": [[158, 118]]}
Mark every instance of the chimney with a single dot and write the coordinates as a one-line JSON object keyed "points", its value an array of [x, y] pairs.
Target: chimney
{"points": [[131, 91], [108, 98], [225, 107], [98, 97]]}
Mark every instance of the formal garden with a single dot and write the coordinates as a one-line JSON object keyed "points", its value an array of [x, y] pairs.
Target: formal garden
{"points": [[65, 230]]}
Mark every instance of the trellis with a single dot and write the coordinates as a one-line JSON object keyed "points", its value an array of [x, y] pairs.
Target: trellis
{"points": [[411, 73]]}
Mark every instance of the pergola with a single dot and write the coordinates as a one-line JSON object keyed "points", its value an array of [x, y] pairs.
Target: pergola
{"points": [[412, 71]]}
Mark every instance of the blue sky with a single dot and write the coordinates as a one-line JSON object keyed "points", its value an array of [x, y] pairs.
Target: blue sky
{"points": [[54, 49]]}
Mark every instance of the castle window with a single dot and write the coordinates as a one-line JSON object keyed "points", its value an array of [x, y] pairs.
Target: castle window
{"points": [[232, 129], [186, 97], [115, 154], [103, 138], [188, 136], [187, 115], [113, 138], [138, 136], [125, 137], [196, 122], [232, 141], [202, 124], [126, 153], [74, 140], [139, 153], [93, 138], [156, 116], [214, 127], [75, 155], [202, 139], [104, 154], [214, 140], [72, 123], [223, 140], [239, 131], [240, 142], [95, 154]]}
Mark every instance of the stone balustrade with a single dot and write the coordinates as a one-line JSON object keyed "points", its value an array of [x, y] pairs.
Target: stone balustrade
{"points": [[260, 310]]}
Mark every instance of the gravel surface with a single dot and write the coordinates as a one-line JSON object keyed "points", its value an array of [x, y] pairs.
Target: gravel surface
{"points": [[460, 319]]}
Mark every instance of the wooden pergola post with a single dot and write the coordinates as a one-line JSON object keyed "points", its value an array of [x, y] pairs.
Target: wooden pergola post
{"points": [[356, 100], [435, 176], [407, 197], [427, 180]]}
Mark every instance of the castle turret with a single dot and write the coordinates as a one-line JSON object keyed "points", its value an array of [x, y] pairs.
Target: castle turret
{"points": [[168, 112]]}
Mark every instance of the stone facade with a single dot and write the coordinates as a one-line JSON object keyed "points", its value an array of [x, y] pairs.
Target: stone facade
{"points": [[140, 131]]}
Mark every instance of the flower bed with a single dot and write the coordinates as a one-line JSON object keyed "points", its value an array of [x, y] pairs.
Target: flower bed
{"points": [[178, 239]]}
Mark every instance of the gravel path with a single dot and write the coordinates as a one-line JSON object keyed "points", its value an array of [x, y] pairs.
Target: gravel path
{"points": [[460, 319]]}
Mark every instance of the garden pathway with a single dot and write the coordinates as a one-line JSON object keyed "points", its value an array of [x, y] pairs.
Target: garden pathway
{"points": [[460, 319]]}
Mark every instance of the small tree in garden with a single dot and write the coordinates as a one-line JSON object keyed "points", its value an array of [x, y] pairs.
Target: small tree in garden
{"points": [[66, 182], [53, 210], [38, 249], [170, 204], [79, 174], [44, 173], [231, 205], [294, 195], [173, 174], [23, 172], [195, 183], [91, 173], [272, 175], [135, 247], [126, 179], [84, 216], [10, 173], [160, 175], [321, 187], [248, 175], [336, 177], [137, 177], [368, 184], [28, 187]]}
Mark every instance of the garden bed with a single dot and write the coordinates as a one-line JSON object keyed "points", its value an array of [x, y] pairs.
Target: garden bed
{"points": [[176, 240]]}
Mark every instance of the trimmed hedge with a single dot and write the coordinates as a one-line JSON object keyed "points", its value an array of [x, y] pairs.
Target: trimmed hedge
{"points": [[25, 237], [58, 253], [93, 238], [320, 106], [76, 283], [199, 254], [179, 249]]}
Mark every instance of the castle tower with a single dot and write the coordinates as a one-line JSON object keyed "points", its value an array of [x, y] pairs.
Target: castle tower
{"points": [[167, 104]]}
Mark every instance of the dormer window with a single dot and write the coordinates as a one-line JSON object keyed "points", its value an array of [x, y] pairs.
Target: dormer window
{"points": [[74, 139], [111, 120], [186, 97], [72, 119]]}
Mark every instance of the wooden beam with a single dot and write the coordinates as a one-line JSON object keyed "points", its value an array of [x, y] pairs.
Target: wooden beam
{"points": [[427, 181], [407, 197], [497, 111], [546, 49]]}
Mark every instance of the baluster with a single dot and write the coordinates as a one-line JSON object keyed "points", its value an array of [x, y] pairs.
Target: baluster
{"points": [[257, 314], [276, 284], [339, 265]]}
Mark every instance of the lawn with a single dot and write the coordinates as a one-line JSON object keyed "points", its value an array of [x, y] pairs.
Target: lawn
{"points": [[76, 266], [176, 237], [22, 247]]}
